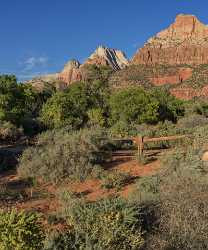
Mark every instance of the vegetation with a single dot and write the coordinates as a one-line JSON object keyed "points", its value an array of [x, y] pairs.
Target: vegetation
{"points": [[73, 128], [63, 155], [133, 105], [20, 231], [106, 224], [9, 132], [115, 180], [19, 103]]}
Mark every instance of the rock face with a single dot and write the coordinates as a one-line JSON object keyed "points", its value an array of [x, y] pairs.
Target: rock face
{"points": [[183, 42], [188, 93], [74, 71], [108, 57], [182, 75], [71, 72]]}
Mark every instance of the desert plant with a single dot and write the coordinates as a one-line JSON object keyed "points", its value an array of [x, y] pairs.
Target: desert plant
{"points": [[8, 160], [115, 179], [64, 155], [9, 132], [107, 224], [20, 231], [183, 217], [146, 190], [62, 241], [133, 105]]}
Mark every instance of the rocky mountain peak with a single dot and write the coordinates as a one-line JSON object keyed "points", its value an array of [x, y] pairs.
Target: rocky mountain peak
{"points": [[184, 42], [107, 56], [185, 26], [72, 64], [71, 72]]}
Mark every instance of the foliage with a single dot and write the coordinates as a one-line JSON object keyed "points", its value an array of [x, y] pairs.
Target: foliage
{"points": [[170, 108], [7, 160], [61, 241], [9, 132], [115, 180], [106, 224], [94, 73], [20, 230], [146, 190], [18, 100], [66, 108], [96, 117], [63, 155], [183, 222], [202, 108], [133, 105]]}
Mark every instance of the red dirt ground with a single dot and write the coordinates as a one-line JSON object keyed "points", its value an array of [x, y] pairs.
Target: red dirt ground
{"points": [[91, 189]]}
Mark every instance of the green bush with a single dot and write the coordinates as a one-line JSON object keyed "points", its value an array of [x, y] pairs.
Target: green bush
{"points": [[106, 224], [146, 190], [182, 196], [115, 179], [18, 100], [133, 105], [66, 108], [9, 132], [63, 155], [183, 217], [20, 231], [170, 108], [96, 117]]}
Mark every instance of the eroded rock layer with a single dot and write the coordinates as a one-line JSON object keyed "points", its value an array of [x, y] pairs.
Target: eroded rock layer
{"points": [[183, 42]]}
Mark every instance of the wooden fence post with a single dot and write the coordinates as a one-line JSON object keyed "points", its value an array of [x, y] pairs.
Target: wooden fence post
{"points": [[140, 141]]}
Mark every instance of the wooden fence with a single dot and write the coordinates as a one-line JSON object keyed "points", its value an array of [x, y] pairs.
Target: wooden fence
{"points": [[140, 141]]}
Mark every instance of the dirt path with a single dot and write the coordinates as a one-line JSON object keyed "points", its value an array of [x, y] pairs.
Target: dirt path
{"points": [[43, 198]]}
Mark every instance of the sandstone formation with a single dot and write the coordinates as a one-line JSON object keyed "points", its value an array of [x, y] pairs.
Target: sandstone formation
{"points": [[182, 75], [103, 56], [187, 93], [71, 72], [74, 71], [183, 42], [108, 57]]}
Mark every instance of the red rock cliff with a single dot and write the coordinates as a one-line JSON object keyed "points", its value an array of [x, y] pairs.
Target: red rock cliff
{"points": [[183, 42]]}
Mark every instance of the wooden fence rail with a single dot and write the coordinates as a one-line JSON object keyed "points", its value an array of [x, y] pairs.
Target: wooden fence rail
{"points": [[141, 140]]}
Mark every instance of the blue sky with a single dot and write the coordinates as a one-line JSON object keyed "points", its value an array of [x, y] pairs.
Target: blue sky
{"points": [[40, 36]]}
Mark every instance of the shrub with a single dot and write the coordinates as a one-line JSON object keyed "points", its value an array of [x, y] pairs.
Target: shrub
{"points": [[96, 117], [146, 190], [183, 213], [133, 105], [115, 179], [106, 224], [190, 123], [63, 155], [97, 73], [183, 221], [18, 100], [9, 132], [20, 230], [7, 160], [61, 241], [169, 108]]}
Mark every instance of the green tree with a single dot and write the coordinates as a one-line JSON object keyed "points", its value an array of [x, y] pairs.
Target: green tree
{"points": [[11, 98], [66, 108], [170, 108], [133, 105], [94, 72], [18, 101]]}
